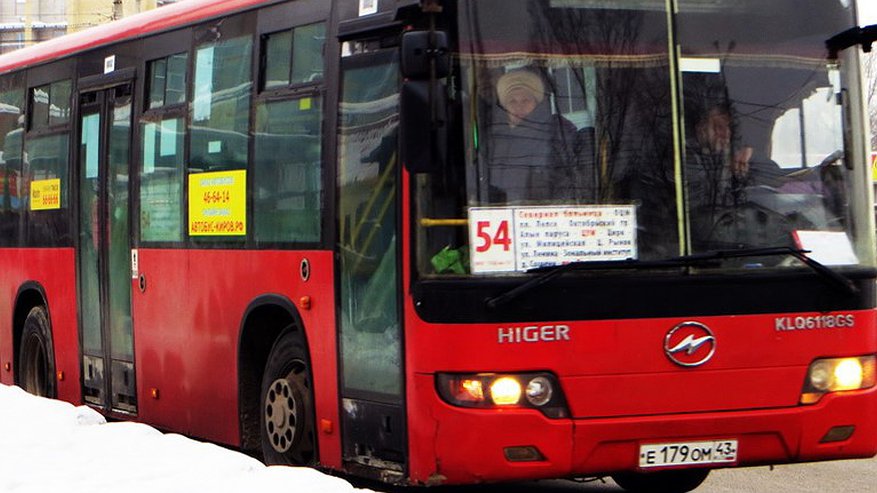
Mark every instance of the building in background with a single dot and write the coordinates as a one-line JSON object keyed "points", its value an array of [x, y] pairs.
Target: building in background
{"points": [[24, 22]]}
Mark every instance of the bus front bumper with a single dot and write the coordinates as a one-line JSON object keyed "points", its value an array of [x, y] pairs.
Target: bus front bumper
{"points": [[453, 445]]}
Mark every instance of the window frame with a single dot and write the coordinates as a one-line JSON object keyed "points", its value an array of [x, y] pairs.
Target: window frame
{"points": [[293, 92], [236, 26], [276, 19], [148, 82], [290, 84], [255, 23], [288, 95], [48, 127], [36, 77], [15, 82]]}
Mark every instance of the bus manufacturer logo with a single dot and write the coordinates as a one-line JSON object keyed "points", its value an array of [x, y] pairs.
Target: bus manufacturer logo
{"points": [[690, 344], [533, 333]]}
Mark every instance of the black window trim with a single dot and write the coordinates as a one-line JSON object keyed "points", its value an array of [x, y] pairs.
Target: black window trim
{"points": [[263, 61], [147, 83], [155, 47], [48, 128]]}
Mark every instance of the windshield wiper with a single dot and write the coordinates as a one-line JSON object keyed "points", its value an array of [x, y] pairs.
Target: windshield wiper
{"points": [[546, 274]]}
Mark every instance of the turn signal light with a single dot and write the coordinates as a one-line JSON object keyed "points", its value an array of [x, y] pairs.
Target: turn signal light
{"points": [[523, 454], [838, 434], [837, 375]]}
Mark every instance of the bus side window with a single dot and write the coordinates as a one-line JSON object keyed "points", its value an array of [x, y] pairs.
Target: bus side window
{"points": [[11, 129], [221, 108], [161, 180], [294, 56], [287, 161], [46, 163], [287, 170]]}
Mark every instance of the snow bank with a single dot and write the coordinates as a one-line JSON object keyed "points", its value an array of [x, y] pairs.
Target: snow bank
{"points": [[48, 445]]}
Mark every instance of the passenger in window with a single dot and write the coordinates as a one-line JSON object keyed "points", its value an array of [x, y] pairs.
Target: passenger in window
{"points": [[532, 153]]}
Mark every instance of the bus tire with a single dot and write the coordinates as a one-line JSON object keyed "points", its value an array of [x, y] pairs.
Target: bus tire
{"points": [[36, 356], [677, 481], [287, 405]]}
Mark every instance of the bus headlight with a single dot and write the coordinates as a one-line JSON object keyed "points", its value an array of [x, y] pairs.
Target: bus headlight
{"points": [[494, 390], [837, 375], [539, 391], [505, 391]]}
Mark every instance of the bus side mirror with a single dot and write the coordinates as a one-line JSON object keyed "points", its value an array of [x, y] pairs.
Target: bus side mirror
{"points": [[864, 36], [420, 49], [423, 126], [424, 101]]}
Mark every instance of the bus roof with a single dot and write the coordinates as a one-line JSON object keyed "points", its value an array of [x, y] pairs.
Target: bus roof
{"points": [[156, 20]]}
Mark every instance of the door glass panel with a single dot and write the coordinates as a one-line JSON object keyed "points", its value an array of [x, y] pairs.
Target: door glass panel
{"points": [[368, 170], [119, 248], [104, 249], [89, 235]]}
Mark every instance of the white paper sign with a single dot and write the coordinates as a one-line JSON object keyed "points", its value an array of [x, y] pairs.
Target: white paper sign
{"points": [[827, 247], [368, 7], [507, 239], [135, 264], [110, 64]]}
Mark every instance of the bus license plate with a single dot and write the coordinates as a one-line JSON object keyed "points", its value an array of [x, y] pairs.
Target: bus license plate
{"points": [[687, 453]]}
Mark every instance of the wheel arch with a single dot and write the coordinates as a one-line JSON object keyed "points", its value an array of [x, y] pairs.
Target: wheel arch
{"points": [[265, 320], [30, 294]]}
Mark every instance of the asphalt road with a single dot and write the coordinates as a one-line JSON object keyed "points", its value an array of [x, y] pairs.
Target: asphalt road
{"points": [[852, 476]]}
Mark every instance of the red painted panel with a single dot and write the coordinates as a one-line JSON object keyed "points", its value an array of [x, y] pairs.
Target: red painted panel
{"points": [[186, 329], [456, 445], [187, 324], [53, 269], [693, 391], [620, 357], [624, 390]]}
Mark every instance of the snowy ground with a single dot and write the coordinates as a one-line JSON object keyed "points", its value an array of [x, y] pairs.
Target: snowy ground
{"points": [[48, 445]]}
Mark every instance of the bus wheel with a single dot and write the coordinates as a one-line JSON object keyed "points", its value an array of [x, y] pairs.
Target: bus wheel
{"points": [[288, 431], [36, 358], [678, 481]]}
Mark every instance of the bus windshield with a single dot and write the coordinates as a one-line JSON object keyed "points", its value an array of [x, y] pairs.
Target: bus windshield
{"points": [[583, 139]]}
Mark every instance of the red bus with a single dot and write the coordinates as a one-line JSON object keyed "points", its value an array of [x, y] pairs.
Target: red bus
{"points": [[454, 241]]}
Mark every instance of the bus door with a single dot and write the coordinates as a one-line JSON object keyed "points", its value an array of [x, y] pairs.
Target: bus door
{"points": [[370, 329], [104, 249]]}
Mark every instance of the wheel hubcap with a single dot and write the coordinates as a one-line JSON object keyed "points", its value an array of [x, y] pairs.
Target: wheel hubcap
{"points": [[281, 414]]}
